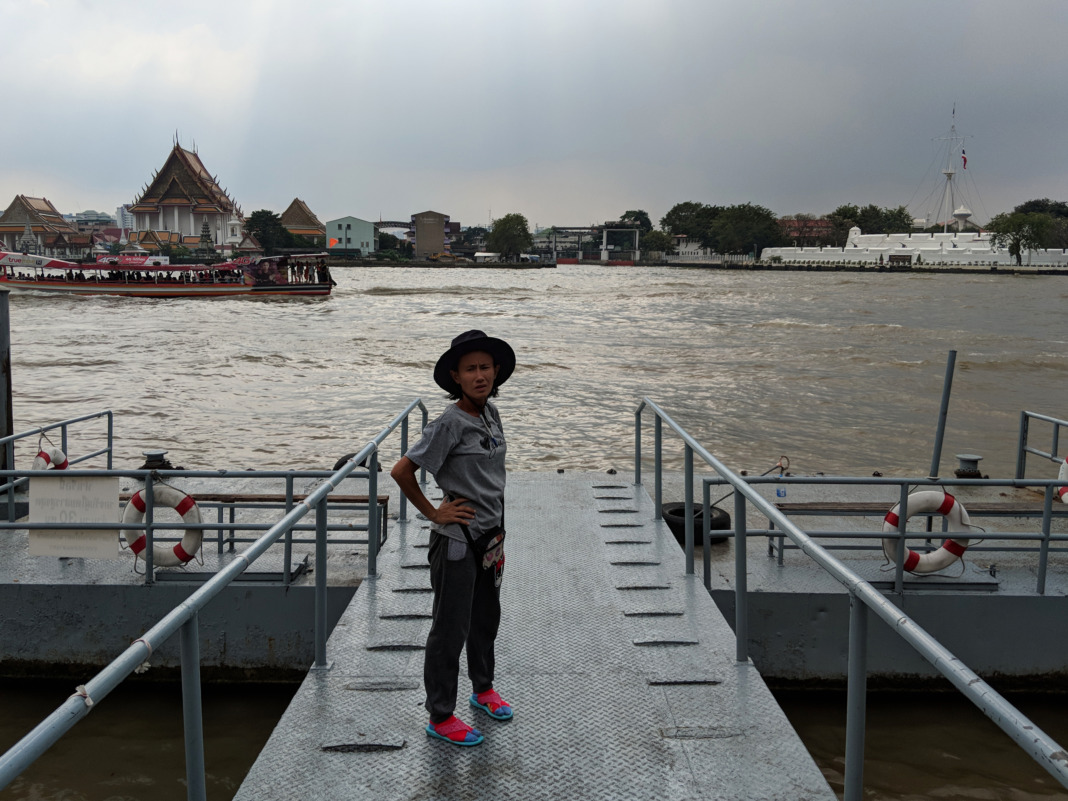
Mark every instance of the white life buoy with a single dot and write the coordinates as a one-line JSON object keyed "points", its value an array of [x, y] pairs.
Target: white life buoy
{"points": [[1062, 492], [184, 505], [926, 503], [54, 458]]}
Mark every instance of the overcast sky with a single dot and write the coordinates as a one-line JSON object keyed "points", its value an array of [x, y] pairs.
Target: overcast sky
{"points": [[567, 112]]}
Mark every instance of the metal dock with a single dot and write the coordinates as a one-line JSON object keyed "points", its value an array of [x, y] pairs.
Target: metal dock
{"points": [[620, 667]]}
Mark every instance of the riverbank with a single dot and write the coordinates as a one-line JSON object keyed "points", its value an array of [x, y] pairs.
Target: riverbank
{"points": [[752, 266]]}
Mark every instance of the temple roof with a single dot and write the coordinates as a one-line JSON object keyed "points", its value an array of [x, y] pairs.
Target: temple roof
{"points": [[38, 212], [299, 219], [183, 180]]}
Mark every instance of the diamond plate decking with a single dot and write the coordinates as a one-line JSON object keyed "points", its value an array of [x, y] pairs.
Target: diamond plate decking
{"points": [[620, 669]]}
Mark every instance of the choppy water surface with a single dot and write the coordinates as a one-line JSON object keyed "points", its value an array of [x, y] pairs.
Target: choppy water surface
{"points": [[841, 371]]}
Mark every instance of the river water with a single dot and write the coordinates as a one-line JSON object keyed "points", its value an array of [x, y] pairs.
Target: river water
{"points": [[842, 372]]}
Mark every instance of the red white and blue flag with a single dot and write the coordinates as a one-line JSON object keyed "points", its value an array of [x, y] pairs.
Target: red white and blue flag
{"points": [[964, 158]]}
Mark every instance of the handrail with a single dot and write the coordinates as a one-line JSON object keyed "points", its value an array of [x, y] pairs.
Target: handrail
{"points": [[183, 619], [63, 425], [863, 596], [1022, 448]]}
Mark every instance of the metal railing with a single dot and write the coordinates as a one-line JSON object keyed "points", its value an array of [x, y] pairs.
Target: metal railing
{"points": [[862, 598], [1045, 537], [7, 445], [183, 620], [1023, 448]]}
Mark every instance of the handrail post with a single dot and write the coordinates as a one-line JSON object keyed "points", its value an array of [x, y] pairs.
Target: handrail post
{"points": [[402, 517], [940, 433], [741, 592], [111, 437], [902, 524], [150, 507], [689, 511], [706, 536], [426, 417], [287, 547], [856, 698], [658, 468], [320, 584], [372, 514], [63, 439], [1043, 551], [1021, 445], [638, 445], [192, 710]]}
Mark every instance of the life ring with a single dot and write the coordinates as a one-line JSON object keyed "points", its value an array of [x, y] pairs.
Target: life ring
{"points": [[183, 504], [54, 458], [1062, 492], [925, 503]]}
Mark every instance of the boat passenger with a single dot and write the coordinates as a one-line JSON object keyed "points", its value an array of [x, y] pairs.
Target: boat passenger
{"points": [[464, 449]]}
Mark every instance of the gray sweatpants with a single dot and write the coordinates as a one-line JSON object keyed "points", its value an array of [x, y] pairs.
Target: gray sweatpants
{"points": [[467, 610]]}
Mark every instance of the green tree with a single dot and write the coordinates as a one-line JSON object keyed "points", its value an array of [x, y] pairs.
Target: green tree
{"points": [[510, 236], [637, 217], [657, 242], [1054, 208], [746, 227], [267, 227], [693, 220], [842, 219], [897, 221], [1019, 232]]}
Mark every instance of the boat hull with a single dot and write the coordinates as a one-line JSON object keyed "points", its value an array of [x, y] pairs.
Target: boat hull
{"points": [[164, 290]]}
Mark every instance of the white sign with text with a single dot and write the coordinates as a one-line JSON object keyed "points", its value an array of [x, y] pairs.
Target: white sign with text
{"points": [[58, 499]]}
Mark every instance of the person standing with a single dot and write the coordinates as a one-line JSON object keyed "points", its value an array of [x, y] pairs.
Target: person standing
{"points": [[464, 449]]}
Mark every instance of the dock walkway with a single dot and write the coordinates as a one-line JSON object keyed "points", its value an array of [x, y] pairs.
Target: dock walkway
{"points": [[619, 666]]}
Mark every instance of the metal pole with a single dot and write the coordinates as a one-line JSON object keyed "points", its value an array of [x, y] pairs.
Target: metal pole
{"points": [[638, 446], [150, 505], [900, 547], [192, 711], [658, 468], [689, 511], [403, 517], [741, 593], [372, 514], [7, 425], [947, 387], [1043, 553], [320, 584], [706, 527], [856, 698], [287, 547]]}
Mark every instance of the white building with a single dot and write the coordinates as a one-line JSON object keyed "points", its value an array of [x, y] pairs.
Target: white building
{"points": [[948, 249], [350, 234]]}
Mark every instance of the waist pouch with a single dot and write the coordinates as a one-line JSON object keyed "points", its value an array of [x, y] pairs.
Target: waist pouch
{"points": [[489, 548]]}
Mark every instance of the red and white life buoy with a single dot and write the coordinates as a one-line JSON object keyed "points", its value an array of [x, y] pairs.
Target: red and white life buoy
{"points": [[183, 504], [926, 503], [54, 459], [1062, 491]]}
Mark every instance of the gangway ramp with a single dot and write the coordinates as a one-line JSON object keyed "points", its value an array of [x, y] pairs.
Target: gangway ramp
{"points": [[620, 668]]}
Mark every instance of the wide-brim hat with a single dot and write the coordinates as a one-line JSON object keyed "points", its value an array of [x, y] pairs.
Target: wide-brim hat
{"points": [[465, 343]]}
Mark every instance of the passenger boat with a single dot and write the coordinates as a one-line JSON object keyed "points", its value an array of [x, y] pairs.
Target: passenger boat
{"points": [[154, 277]]}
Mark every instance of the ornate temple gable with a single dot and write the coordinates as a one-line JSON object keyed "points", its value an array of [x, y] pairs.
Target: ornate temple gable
{"points": [[249, 244], [38, 212], [299, 216], [184, 180]]}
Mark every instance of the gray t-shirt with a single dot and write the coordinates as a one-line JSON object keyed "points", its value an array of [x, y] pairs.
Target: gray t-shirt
{"points": [[466, 454]]}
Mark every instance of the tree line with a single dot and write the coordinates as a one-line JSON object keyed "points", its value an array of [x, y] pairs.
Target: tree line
{"points": [[739, 229]]}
